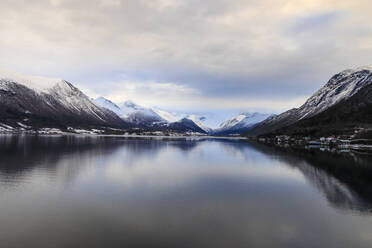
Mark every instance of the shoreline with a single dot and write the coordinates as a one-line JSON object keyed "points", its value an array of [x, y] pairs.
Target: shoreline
{"points": [[124, 135]]}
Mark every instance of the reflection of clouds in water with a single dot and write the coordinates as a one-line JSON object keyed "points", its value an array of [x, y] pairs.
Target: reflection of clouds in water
{"points": [[167, 176], [144, 176], [240, 150], [39, 163], [171, 167], [144, 193]]}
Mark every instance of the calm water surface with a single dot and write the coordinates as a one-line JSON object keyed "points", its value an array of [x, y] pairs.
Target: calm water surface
{"points": [[116, 192]]}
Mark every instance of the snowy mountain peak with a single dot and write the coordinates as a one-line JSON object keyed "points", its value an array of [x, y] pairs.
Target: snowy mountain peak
{"points": [[361, 68], [137, 114], [198, 120], [46, 102], [241, 123], [169, 117], [340, 87], [36, 83], [244, 120], [102, 99], [129, 107], [103, 102], [131, 112]]}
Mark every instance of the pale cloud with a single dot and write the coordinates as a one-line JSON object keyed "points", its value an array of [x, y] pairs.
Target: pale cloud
{"points": [[173, 96], [244, 53], [152, 93]]}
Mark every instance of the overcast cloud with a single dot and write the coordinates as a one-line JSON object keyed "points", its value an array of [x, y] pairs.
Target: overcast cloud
{"points": [[267, 55]]}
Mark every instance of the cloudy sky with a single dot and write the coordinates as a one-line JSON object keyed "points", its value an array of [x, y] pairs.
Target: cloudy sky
{"points": [[204, 55]]}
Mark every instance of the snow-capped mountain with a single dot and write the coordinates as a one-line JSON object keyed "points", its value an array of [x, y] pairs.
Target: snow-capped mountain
{"points": [[153, 117], [241, 123], [275, 122], [139, 115], [103, 102], [174, 117], [169, 117], [198, 120], [28, 101], [244, 120], [131, 112], [186, 125], [339, 89]]}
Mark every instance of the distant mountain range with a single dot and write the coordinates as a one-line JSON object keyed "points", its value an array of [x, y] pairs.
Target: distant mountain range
{"points": [[132, 112], [342, 106], [240, 124], [153, 118], [32, 103]]}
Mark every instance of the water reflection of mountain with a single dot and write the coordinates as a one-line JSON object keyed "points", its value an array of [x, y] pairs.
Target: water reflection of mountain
{"points": [[344, 179], [151, 146], [67, 156]]}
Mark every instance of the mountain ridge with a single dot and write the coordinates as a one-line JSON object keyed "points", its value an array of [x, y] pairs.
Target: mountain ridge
{"points": [[338, 90], [153, 118], [241, 123], [29, 102], [59, 105]]}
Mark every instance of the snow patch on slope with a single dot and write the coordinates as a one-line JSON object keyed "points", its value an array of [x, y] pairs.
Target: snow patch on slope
{"points": [[167, 116], [198, 120], [103, 102], [128, 107]]}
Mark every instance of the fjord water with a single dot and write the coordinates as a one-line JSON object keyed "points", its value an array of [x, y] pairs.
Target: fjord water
{"points": [[82, 191]]}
